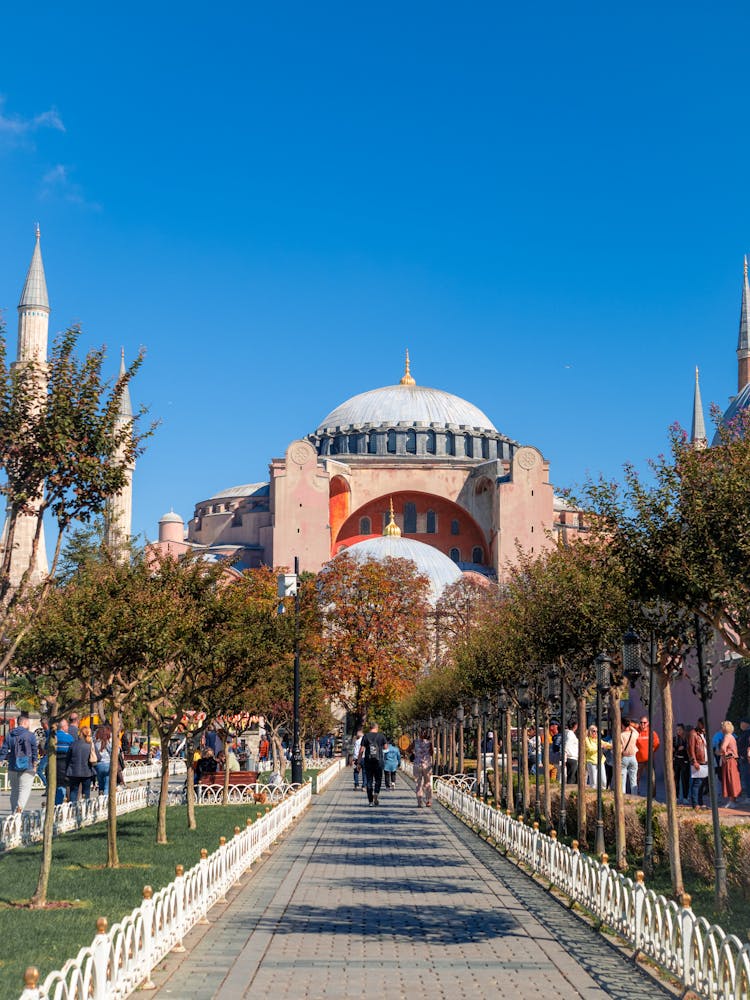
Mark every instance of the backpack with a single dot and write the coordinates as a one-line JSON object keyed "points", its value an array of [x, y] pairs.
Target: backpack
{"points": [[21, 761]]}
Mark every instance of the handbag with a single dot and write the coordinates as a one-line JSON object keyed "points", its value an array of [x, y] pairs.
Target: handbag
{"points": [[93, 756]]}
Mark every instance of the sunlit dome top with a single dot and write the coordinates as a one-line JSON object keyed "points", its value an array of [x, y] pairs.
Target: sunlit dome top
{"points": [[407, 403], [437, 567]]}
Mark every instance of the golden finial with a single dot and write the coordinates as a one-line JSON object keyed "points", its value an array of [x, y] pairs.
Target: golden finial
{"points": [[406, 379], [392, 529]]}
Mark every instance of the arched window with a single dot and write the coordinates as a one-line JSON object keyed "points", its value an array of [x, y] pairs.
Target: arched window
{"points": [[391, 442], [353, 442], [336, 445], [468, 445], [430, 443], [485, 448], [450, 444], [372, 444], [365, 526], [455, 555], [410, 518], [431, 522], [455, 527], [477, 555], [411, 442]]}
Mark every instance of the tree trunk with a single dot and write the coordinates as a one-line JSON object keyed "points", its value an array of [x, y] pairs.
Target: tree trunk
{"points": [[508, 748], [621, 847], [581, 805], [39, 899], [161, 809], [525, 766], [545, 773], [225, 789], [673, 826], [190, 784], [113, 860], [496, 790]]}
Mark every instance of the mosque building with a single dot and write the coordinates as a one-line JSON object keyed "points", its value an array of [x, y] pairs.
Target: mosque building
{"points": [[457, 485]]}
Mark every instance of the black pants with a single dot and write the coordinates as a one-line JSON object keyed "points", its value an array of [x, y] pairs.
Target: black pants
{"points": [[390, 779], [571, 771], [682, 778], [374, 772]]}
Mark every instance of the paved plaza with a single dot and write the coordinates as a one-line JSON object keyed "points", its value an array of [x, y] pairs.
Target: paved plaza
{"points": [[393, 902]]}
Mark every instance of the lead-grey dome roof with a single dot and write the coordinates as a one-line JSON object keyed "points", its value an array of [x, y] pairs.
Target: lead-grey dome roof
{"points": [[407, 404], [437, 567]]}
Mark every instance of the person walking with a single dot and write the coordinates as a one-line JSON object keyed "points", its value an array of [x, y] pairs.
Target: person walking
{"points": [[731, 788], [103, 744], [743, 749], [371, 753], [698, 758], [63, 743], [391, 763], [570, 752], [681, 764], [80, 764], [642, 752], [629, 762], [21, 751], [356, 762], [595, 768], [423, 759]]}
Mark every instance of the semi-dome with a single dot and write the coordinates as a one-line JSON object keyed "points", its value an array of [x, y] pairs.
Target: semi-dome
{"points": [[407, 404], [739, 405], [431, 562]]}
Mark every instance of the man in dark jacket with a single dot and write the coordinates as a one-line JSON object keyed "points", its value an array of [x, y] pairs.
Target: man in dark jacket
{"points": [[63, 741], [20, 749]]}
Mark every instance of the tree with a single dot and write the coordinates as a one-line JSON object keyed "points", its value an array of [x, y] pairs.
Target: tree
{"points": [[374, 630]]}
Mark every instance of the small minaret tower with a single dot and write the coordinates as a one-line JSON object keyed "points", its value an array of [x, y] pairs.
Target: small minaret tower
{"points": [[33, 326], [119, 514], [743, 341], [698, 437]]}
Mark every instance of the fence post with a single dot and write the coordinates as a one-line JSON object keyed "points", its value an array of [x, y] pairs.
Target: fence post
{"points": [[147, 909], [100, 949], [687, 923], [639, 899], [31, 984], [179, 890], [603, 874], [204, 887]]}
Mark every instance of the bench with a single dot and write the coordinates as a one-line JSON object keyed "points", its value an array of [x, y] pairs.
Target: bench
{"points": [[235, 778]]}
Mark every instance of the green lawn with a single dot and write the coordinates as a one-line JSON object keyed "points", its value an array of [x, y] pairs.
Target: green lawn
{"points": [[48, 938]]}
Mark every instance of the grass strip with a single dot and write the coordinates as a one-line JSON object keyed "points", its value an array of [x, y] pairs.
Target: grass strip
{"points": [[48, 938]]}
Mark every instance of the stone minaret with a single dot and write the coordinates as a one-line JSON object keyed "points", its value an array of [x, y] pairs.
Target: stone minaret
{"points": [[119, 514], [33, 324], [698, 437], [743, 341]]}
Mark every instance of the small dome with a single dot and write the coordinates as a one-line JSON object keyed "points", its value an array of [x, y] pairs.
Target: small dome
{"points": [[740, 403], [437, 567], [171, 518], [407, 404]]}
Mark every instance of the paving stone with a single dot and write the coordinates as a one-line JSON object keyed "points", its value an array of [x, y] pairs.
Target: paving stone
{"points": [[391, 901]]}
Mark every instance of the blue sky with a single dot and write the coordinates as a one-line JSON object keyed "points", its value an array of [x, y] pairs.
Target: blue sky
{"points": [[547, 206]]}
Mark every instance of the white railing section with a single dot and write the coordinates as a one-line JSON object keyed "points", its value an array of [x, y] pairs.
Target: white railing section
{"points": [[701, 955], [121, 959], [22, 829], [330, 769], [134, 771], [211, 795]]}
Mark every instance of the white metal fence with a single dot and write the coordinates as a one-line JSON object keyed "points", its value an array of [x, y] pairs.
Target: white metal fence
{"points": [[260, 791], [330, 769], [134, 771], [701, 955], [121, 959]]}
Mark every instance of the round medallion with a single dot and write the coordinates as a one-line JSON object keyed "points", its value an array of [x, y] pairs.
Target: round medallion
{"points": [[301, 452], [527, 458]]}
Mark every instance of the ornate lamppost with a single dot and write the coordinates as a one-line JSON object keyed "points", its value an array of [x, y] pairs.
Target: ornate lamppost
{"points": [[476, 715], [460, 722], [631, 657], [603, 664], [288, 586], [523, 701], [553, 696], [500, 747]]}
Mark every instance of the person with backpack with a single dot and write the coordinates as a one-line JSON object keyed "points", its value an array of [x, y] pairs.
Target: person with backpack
{"points": [[371, 754], [21, 751]]}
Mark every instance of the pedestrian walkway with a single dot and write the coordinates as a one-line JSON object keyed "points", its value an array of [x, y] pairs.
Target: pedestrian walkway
{"points": [[393, 902]]}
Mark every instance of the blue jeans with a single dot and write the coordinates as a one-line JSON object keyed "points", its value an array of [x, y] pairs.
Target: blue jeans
{"points": [[102, 778], [696, 790], [629, 772]]}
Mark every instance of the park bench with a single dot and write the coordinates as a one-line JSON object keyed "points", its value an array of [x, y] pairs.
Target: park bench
{"points": [[235, 778]]}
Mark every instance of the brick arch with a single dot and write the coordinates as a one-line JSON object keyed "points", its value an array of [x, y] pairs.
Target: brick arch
{"points": [[470, 534]]}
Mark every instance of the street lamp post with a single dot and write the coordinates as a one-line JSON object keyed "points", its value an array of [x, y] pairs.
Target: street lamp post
{"points": [[553, 696], [537, 802], [288, 584], [523, 704], [502, 708], [603, 664], [476, 714], [460, 721], [563, 828], [485, 712], [632, 663], [148, 722]]}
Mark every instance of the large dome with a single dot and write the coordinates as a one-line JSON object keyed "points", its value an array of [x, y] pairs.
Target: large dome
{"points": [[437, 567], [407, 404]]}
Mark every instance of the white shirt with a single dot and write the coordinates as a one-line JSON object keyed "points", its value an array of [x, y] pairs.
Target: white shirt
{"points": [[356, 748], [570, 742]]}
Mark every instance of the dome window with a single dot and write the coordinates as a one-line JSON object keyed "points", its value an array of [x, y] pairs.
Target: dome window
{"points": [[455, 528], [468, 446], [450, 444], [411, 442], [455, 555], [410, 518], [391, 445], [477, 556], [353, 444], [365, 526], [485, 448], [372, 444], [431, 522], [430, 443]]}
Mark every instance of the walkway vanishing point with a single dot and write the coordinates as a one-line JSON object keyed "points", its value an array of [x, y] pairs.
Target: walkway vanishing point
{"points": [[393, 902]]}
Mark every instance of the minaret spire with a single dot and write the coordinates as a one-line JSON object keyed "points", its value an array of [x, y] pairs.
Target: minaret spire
{"points": [[119, 511], [743, 340], [698, 437]]}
